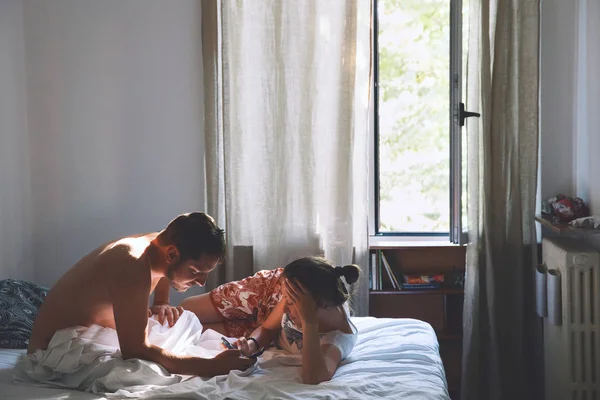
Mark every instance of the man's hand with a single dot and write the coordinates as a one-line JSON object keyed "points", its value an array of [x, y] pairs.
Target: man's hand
{"points": [[231, 359], [165, 311]]}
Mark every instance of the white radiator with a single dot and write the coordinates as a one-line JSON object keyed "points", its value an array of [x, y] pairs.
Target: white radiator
{"points": [[572, 320]]}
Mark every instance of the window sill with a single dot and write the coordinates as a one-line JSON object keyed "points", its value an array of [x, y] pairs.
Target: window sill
{"points": [[393, 242]]}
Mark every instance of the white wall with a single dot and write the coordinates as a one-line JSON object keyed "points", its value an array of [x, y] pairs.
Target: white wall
{"points": [[592, 126], [587, 158], [115, 121], [557, 96], [570, 101], [15, 194]]}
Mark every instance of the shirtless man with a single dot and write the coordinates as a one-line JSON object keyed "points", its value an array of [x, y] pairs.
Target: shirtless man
{"points": [[111, 287]]}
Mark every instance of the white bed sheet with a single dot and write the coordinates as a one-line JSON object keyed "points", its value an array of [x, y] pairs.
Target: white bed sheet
{"points": [[12, 391], [393, 358]]}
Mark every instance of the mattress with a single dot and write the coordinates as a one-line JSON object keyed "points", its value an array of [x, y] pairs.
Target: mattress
{"points": [[393, 358]]}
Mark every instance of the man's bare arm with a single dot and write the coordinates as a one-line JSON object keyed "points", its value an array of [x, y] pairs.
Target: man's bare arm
{"points": [[161, 307], [129, 290], [162, 291]]}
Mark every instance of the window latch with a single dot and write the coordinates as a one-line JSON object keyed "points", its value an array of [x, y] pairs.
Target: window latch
{"points": [[462, 114]]}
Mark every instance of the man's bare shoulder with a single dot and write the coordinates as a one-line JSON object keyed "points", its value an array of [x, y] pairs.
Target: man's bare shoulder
{"points": [[126, 259], [127, 247]]}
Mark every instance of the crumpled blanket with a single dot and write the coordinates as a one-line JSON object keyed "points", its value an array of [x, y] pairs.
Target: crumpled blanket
{"points": [[89, 358]]}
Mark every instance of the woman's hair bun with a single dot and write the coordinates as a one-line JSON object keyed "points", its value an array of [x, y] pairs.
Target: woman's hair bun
{"points": [[351, 272]]}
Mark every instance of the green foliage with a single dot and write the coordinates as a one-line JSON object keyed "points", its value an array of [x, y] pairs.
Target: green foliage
{"points": [[414, 116]]}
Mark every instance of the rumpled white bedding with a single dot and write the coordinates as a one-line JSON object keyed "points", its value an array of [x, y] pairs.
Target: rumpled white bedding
{"points": [[393, 358], [89, 359]]}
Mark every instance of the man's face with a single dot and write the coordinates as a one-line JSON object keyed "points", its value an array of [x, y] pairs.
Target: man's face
{"points": [[184, 275]]}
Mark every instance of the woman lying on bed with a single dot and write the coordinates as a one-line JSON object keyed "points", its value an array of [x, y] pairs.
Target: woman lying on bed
{"points": [[302, 306]]}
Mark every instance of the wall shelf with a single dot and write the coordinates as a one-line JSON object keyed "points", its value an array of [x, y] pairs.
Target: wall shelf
{"points": [[564, 228]]}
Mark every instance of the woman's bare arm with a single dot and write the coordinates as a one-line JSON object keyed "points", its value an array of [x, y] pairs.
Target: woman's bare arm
{"points": [[265, 333], [319, 361]]}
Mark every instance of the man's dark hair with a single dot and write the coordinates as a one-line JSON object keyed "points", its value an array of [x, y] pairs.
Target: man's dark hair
{"points": [[195, 234]]}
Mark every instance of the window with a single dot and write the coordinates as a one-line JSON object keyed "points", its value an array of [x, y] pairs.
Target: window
{"points": [[418, 150]]}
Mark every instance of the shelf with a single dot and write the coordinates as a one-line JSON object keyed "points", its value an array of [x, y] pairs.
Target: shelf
{"points": [[442, 291], [400, 242], [563, 227]]}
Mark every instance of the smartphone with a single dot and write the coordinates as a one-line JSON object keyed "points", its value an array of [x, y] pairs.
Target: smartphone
{"points": [[227, 344]]}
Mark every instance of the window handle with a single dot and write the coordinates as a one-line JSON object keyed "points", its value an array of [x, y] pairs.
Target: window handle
{"points": [[462, 115]]}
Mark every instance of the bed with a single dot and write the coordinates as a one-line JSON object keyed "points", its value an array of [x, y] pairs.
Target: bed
{"points": [[393, 358]]}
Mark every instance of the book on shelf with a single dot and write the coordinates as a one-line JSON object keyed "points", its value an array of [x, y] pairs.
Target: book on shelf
{"points": [[380, 266], [379, 271], [375, 272], [423, 281], [390, 273], [372, 273], [420, 286], [415, 279]]}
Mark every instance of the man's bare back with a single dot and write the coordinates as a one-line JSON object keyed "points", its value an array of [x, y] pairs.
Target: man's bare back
{"points": [[82, 296], [111, 286]]}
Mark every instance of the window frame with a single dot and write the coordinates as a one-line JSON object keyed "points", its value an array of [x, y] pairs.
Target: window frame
{"points": [[456, 234]]}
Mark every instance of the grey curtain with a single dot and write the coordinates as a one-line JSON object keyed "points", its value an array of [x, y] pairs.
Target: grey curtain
{"points": [[503, 65]]}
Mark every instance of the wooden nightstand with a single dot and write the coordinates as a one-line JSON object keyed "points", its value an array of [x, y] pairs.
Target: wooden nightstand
{"points": [[441, 308]]}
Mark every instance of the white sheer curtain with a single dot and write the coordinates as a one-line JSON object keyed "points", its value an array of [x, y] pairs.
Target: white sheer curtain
{"points": [[287, 93], [503, 75]]}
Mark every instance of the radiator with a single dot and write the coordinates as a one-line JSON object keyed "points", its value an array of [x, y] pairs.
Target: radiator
{"points": [[572, 320]]}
